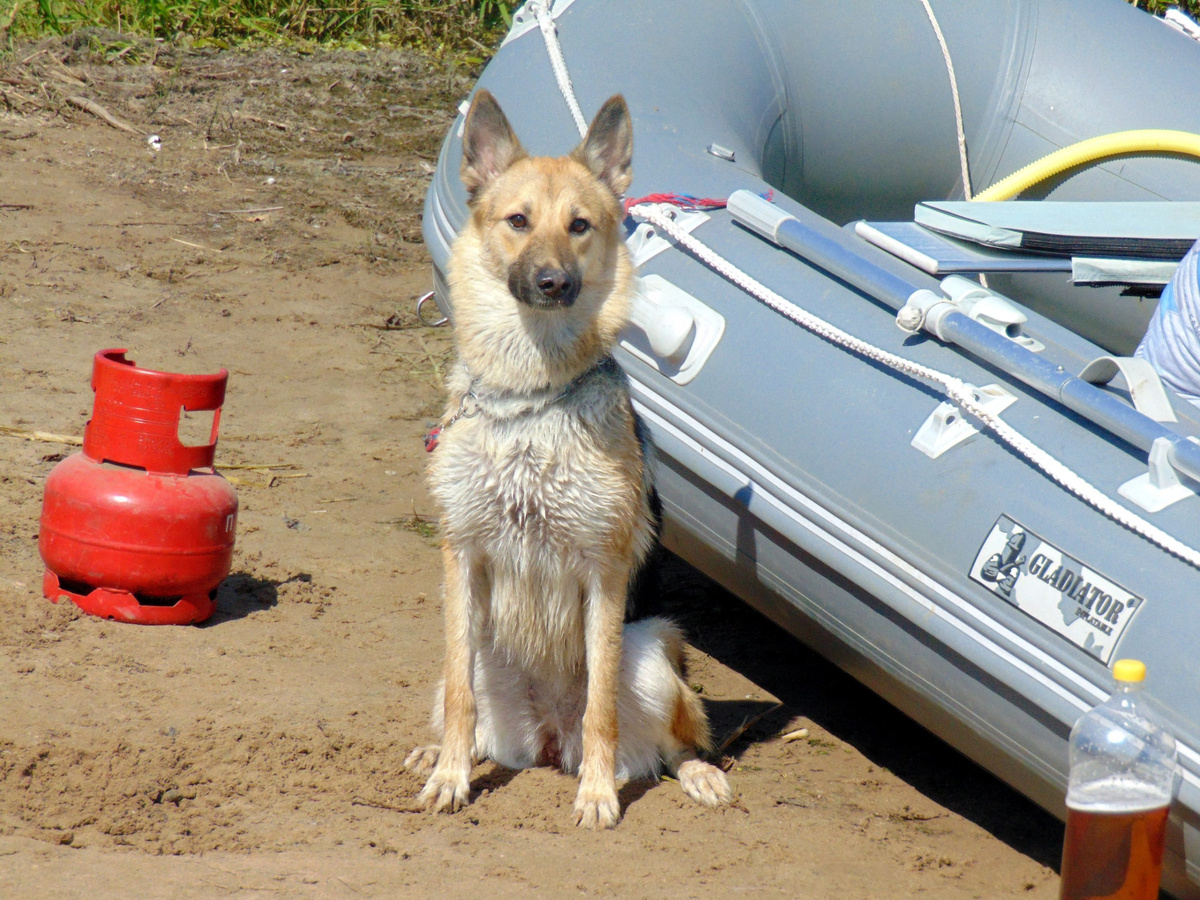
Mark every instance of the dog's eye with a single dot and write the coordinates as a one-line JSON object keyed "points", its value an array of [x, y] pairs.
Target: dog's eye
{"points": [[518, 221], [579, 226]]}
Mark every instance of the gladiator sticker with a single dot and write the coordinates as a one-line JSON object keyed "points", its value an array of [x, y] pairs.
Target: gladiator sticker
{"points": [[1058, 590]]}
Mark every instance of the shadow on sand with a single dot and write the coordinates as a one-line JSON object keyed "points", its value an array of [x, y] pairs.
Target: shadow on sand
{"points": [[808, 685], [241, 595]]}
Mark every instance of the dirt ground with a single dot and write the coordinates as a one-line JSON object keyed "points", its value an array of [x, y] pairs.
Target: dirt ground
{"points": [[277, 233]]}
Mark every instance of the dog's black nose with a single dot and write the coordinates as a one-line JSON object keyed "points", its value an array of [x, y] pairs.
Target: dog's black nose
{"points": [[557, 285]]}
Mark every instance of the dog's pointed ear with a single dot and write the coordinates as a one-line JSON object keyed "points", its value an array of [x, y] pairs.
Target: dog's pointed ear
{"points": [[608, 148], [489, 144]]}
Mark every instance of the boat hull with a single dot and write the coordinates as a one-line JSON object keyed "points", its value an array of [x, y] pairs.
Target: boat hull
{"points": [[786, 464]]}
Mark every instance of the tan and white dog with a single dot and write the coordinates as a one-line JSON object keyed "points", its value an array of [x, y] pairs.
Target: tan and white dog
{"points": [[542, 479]]}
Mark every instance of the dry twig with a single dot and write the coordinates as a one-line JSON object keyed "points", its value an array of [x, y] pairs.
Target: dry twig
{"points": [[266, 467], [197, 246], [282, 126], [246, 212], [274, 478], [100, 112], [746, 726], [359, 801], [66, 78], [44, 436]]}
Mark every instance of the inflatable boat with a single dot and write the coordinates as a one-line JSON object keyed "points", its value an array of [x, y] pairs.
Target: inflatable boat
{"points": [[965, 495]]}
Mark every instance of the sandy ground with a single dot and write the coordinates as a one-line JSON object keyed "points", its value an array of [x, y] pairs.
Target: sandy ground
{"points": [[277, 233]]}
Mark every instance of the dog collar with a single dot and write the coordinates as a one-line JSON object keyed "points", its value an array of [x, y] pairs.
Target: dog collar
{"points": [[502, 405]]}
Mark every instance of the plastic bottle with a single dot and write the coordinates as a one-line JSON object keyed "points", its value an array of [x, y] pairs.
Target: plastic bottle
{"points": [[1121, 783]]}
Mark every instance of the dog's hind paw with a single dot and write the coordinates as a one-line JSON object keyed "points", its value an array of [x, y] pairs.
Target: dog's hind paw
{"points": [[445, 792], [704, 783], [596, 809], [422, 759]]}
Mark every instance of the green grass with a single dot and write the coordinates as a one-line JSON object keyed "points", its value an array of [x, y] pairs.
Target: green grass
{"points": [[462, 26], [1191, 7], [417, 523], [447, 25]]}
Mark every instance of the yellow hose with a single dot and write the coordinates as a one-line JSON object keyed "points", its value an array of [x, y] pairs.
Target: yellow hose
{"points": [[1151, 140]]}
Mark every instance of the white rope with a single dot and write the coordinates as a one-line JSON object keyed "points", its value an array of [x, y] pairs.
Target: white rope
{"points": [[960, 131], [958, 118], [955, 389], [557, 62]]}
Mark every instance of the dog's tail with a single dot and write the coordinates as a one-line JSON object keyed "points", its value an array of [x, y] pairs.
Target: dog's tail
{"points": [[654, 656]]}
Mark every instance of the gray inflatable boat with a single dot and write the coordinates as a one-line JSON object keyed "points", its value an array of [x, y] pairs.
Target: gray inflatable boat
{"points": [[977, 513]]}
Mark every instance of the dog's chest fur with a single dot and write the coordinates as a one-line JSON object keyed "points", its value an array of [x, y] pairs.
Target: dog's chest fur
{"points": [[536, 500]]}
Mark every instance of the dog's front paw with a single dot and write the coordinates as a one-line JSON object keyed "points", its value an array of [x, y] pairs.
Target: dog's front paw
{"points": [[704, 783], [446, 791], [422, 759], [596, 808]]}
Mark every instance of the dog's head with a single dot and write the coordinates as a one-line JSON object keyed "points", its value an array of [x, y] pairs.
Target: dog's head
{"points": [[549, 226]]}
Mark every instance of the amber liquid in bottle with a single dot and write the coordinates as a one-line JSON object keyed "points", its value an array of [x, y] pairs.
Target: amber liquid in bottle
{"points": [[1115, 854]]}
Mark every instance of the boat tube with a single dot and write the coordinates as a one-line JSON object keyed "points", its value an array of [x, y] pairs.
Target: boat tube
{"points": [[975, 514]]}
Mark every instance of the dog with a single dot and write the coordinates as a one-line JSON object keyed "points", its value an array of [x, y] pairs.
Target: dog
{"points": [[541, 474]]}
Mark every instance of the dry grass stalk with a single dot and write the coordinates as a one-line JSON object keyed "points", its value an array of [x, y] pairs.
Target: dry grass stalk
{"points": [[44, 436], [100, 112], [749, 723]]}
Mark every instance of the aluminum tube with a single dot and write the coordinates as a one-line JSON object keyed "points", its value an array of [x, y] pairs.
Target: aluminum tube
{"points": [[1095, 405], [1104, 409], [1086, 399], [840, 261]]}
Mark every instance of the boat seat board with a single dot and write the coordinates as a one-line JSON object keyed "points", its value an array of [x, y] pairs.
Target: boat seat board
{"points": [[1134, 229]]}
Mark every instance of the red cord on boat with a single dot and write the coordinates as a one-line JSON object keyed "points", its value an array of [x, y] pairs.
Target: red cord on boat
{"points": [[686, 202]]}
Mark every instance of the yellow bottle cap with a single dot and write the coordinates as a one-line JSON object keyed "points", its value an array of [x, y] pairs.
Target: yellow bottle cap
{"points": [[1129, 670]]}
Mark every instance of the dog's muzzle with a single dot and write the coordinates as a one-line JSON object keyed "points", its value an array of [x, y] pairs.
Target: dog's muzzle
{"points": [[548, 287]]}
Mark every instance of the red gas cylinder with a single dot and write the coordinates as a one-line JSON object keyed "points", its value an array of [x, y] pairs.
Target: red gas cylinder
{"points": [[139, 527]]}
